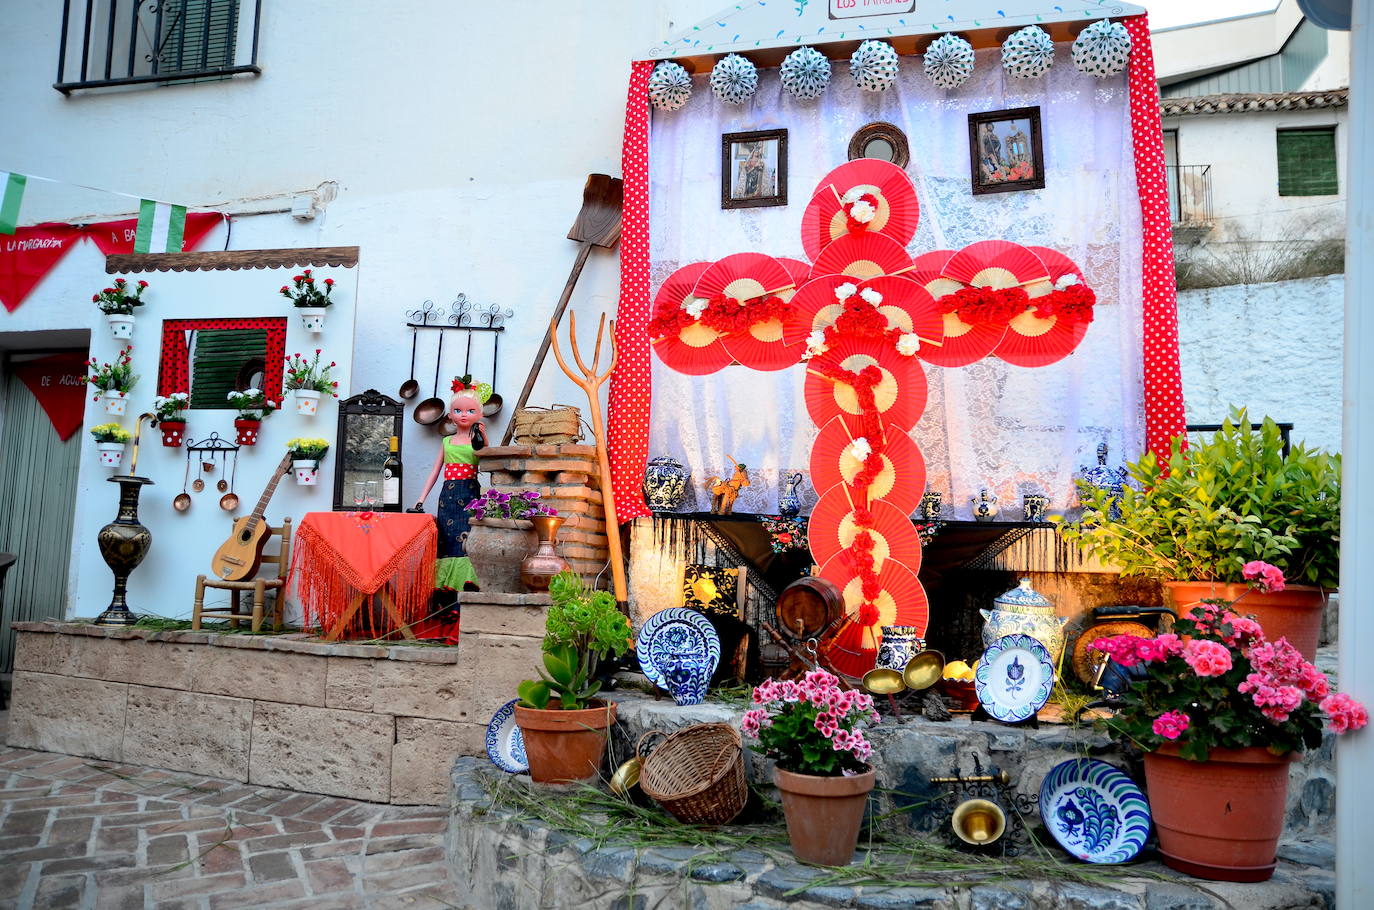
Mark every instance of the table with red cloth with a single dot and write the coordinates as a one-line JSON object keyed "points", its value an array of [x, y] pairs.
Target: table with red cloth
{"points": [[339, 560]]}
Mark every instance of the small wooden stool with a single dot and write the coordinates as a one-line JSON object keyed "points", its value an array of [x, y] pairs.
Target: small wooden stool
{"points": [[259, 586]]}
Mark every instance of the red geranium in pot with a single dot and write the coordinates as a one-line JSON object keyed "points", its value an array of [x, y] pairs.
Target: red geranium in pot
{"points": [[1221, 710], [812, 730]]}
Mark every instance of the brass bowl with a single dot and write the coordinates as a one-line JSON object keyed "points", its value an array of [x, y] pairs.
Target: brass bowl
{"points": [[626, 776], [882, 681], [924, 670], [978, 822]]}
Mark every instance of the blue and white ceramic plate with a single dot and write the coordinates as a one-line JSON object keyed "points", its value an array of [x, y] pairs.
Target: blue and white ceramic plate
{"points": [[1095, 812], [1014, 678], [505, 742], [678, 651]]}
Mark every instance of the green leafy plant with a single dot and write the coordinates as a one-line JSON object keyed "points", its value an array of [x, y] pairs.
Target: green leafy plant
{"points": [[172, 407], [310, 375], [583, 627], [110, 432], [1217, 505], [113, 377]]}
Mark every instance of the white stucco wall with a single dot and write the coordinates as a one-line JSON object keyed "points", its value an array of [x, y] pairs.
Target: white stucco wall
{"points": [[1269, 347]]}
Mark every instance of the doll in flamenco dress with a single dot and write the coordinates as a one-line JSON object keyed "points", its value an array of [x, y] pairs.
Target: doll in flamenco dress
{"points": [[458, 462]]}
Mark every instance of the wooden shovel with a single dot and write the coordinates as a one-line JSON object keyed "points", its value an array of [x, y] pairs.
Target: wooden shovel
{"points": [[597, 224], [590, 379]]}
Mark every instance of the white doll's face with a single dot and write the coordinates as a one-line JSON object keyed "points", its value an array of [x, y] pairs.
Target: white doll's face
{"points": [[464, 410]]}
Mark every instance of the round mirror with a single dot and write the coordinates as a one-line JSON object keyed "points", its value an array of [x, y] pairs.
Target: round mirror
{"points": [[882, 141], [878, 148]]}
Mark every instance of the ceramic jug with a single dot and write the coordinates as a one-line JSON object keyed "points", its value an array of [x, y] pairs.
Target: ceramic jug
{"points": [[789, 504], [984, 506], [665, 484], [930, 505], [1033, 506], [899, 645], [1024, 611]]}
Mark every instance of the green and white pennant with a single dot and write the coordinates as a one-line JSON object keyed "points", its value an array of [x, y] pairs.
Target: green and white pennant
{"points": [[160, 227], [12, 185]]}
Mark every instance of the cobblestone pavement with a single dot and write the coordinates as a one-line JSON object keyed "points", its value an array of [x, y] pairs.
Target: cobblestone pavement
{"points": [[85, 834]]}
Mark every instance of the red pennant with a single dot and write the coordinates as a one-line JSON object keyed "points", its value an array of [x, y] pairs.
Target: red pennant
{"points": [[56, 382], [116, 237], [28, 255]]}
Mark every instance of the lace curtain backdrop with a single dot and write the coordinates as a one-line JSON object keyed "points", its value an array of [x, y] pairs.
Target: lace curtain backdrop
{"points": [[1010, 429]]}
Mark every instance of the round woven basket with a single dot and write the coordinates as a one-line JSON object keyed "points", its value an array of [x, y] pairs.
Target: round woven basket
{"points": [[697, 773]]}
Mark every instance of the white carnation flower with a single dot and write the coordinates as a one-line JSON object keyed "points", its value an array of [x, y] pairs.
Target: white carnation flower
{"points": [[695, 306], [1066, 281], [863, 212], [815, 344], [908, 344], [853, 196], [846, 290], [871, 296], [860, 448]]}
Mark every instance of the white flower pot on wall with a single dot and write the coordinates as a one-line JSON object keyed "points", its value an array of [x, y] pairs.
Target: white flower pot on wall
{"points": [[111, 454], [307, 472], [313, 318], [115, 402], [307, 402], [121, 324]]}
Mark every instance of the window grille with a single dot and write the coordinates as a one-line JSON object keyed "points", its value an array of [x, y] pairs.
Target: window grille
{"points": [[1307, 162]]}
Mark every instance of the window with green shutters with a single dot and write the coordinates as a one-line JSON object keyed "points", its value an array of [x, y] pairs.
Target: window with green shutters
{"points": [[1307, 162], [224, 361], [197, 34]]}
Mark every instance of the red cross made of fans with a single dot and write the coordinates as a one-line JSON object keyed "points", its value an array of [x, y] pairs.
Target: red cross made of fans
{"points": [[863, 315]]}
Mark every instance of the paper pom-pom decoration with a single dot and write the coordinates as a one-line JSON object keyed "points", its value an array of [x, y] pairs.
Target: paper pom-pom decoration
{"points": [[1028, 53], [734, 79], [805, 73], [874, 66], [949, 61], [669, 86], [1102, 49]]}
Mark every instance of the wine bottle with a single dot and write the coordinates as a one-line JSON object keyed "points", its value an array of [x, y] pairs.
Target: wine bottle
{"points": [[391, 478]]}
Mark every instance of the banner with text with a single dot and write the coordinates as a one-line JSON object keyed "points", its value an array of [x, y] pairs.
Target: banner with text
{"points": [[28, 254], [58, 384]]}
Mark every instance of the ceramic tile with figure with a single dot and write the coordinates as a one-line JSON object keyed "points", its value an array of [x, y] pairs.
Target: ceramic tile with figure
{"points": [[1005, 151]]}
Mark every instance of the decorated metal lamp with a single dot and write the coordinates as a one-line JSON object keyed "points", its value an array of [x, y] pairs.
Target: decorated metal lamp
{"points": [[124, 542]]}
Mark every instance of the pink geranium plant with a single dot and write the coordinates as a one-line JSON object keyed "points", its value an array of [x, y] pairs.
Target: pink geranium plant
{"points": [[811, 726], [1216, 681]]}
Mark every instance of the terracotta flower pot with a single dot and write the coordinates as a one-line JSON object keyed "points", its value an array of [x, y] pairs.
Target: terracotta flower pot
{"points": [[1219, 819], [565, 745], [823, 814], [1294, 613], [497, 546]]}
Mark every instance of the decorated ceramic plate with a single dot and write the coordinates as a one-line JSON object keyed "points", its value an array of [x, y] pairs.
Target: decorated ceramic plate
{"points": [[1014, 678], [1095, 812], [505, 742], [678, 651]]}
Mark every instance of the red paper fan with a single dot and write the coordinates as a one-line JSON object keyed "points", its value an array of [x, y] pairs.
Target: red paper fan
{"points": [[798, 271], [764, 347], [900, 483], [851, 650], [832, 528], [995, 264], [898, 209], [908, 307], [1034, 342], [900, 396], [861, 256], [743, 276], [697, 350], [677, 289], [814, 307], [901, 602], [963, 343]]}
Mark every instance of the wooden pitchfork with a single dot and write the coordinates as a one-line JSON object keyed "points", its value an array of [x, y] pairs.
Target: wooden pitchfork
{"points": [[591, 380]]}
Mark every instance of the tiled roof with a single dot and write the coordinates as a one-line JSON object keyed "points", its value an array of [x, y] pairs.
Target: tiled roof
{"points": [[1249, 103]]}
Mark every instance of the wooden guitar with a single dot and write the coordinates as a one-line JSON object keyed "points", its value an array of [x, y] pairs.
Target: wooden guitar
{"points": [[240, 557]]}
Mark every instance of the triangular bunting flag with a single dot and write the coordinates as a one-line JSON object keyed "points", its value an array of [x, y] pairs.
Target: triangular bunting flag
{"points": [[29, 255], [116, 237], [160, 227], [12, 186], [57, 384]]}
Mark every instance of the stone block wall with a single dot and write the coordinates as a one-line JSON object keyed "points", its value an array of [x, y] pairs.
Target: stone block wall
{"points": [[568, 479], [374, 722]]}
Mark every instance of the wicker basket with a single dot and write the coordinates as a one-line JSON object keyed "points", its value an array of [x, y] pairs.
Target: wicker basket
{"points": [[558, 425], [697, 773]]}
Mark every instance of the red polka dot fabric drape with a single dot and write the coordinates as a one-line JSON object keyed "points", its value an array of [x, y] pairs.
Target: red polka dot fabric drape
{"points": [[174, 370], [631, 384], [1163, 380]]}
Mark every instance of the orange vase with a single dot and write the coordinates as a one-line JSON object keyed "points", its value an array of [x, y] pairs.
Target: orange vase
{"points": [[1294, 613], [564, 746], [823, 814], [1218, 819]]}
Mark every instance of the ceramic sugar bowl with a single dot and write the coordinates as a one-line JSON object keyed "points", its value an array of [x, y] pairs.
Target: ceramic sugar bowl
{"points": [[1022, 610]]}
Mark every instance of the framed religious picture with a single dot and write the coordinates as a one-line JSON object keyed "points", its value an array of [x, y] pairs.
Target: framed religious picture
{"points": [[1005, 151], [753, 169]]}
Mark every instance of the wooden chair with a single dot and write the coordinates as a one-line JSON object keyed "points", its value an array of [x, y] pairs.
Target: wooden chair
{"points": [[258, 586]]}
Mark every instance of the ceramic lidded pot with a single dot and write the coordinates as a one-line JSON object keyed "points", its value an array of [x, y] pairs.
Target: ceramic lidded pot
{"points": [[665, 484], [1024, 611], [899, 645]]}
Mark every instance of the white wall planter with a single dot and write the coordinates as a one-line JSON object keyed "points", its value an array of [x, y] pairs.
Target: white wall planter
{"points": [[313, 318], [121, 324], [307, 402], [307, 472], [111, 454], [115, 402]]}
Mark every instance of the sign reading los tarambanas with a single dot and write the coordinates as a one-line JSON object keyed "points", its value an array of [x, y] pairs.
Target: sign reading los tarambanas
{"points": [[853, 9]]}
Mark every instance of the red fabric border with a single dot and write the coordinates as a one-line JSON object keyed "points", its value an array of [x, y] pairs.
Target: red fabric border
{"points": [[173, 373], [632, 383], [1163, 379]]}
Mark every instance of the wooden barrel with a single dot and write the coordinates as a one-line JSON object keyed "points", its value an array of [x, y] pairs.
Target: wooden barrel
{"points": [[811, 602]]}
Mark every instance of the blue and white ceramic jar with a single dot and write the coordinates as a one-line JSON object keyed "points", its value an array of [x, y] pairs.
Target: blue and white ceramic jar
{"points": [[1113, 480], [665, 484], [1024, 611], [789, 503], [899, 645]]}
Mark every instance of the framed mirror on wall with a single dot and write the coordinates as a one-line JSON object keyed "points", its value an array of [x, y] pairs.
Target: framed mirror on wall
{"points": [[880, 140], [366, 424]]}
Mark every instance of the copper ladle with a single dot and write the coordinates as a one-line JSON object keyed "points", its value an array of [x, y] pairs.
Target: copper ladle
{"points": [[230, 501], [198, 484], [182, 501]]}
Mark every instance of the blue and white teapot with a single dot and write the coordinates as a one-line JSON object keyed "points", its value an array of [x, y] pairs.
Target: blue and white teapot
{"points": [[1024, 611]]}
